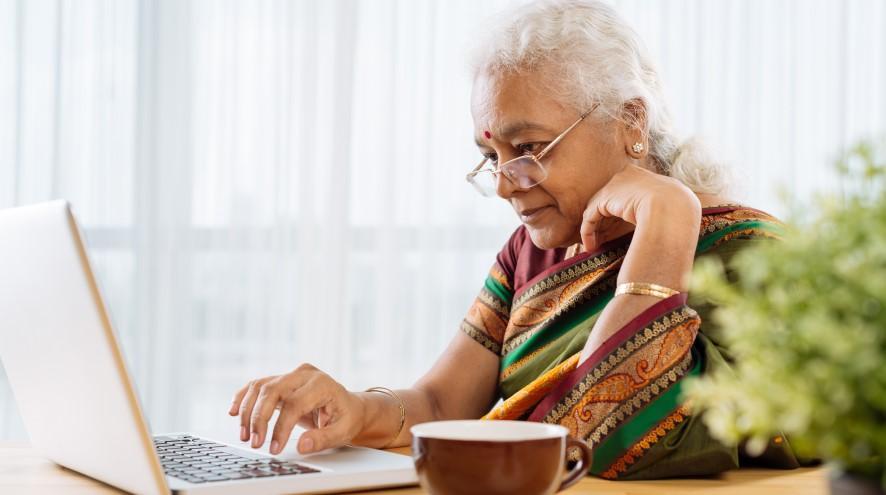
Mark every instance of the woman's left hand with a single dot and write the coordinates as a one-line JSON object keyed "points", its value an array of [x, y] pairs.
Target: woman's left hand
{"points": [[643, 199], [666, 216]]}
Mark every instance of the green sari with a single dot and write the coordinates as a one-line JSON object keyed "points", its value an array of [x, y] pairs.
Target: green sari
{"points": [[535, 312]]}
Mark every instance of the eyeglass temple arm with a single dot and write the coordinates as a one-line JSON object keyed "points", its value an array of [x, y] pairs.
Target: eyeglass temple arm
{"points": [[478, 167], [563, 134]]}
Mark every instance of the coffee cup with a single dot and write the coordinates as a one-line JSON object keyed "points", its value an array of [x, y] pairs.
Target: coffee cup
{"points": [[495, 457]]}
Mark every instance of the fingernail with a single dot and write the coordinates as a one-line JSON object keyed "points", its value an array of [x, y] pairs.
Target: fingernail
{"points": [[255, 440], [274, 446], [244, 436], [307, 444]]}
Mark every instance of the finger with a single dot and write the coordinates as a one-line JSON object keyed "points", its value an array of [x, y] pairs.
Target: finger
{"points": [[246, 408], [286, 421], [297, 405], [590, 225], [588, 237], [238, 397], [334, 435], [269, 396]]}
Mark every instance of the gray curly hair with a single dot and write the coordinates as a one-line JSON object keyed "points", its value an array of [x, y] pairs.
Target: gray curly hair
{"points": [[595, 57]]}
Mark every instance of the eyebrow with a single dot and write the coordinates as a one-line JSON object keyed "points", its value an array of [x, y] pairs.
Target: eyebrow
{"points": [[513, 128]]}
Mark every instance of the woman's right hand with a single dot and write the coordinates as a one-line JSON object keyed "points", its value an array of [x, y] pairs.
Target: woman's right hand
{"points": [[307, 397]]}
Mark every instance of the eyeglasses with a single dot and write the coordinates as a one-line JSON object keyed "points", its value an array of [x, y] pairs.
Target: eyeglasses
{"points": [[524, 172]]}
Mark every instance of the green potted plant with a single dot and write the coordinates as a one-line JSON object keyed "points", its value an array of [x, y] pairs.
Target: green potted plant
{"points": [[806, 326]]}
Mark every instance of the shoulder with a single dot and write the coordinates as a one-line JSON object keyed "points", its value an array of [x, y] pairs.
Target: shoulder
{"points": [[724, 224], [730, 229]]}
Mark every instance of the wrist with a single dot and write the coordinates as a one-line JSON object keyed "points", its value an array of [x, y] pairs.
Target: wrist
{"points": [[662, 250], [676, 208], [656, 263], [364, 409], [670, 224], [367, 411], [380, 406]]}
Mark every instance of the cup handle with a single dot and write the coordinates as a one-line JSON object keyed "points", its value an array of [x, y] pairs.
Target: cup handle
{"points": [[581, 467]]}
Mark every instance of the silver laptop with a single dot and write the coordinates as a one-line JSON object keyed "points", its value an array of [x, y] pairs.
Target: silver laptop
{"points": [[79, 404]]}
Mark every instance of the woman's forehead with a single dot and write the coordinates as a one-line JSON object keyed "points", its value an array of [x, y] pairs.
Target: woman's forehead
{"points": [[506, 105]]}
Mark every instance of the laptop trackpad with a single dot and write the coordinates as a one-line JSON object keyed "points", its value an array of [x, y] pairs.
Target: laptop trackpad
{"points": [[352, 459]]}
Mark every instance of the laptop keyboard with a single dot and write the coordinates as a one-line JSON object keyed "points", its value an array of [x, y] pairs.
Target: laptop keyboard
{"points": [[196, 460]]}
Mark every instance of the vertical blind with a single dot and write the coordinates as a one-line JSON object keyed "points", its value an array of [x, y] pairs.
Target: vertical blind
{"points": [[265, 183]]}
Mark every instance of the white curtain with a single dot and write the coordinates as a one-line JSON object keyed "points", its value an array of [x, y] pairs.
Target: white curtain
{"points": [[264, 183]]}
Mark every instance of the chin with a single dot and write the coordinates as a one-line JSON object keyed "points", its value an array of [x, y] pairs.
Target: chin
{"points": [[548, 237]]}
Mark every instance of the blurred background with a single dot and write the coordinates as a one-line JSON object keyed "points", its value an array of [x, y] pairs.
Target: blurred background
{"points": [[265, 183]]}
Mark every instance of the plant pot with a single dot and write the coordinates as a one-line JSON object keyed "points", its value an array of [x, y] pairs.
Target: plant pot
{"points": [[846, 483]]}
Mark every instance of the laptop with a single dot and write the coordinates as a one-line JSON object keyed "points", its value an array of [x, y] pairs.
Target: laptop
{"points": [[79, 404]]}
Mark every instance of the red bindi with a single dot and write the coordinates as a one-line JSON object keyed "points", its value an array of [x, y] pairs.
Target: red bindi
{"points": [[487, 134]]}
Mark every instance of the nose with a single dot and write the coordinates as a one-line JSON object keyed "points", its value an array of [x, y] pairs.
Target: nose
{"points": [[504, 187]]}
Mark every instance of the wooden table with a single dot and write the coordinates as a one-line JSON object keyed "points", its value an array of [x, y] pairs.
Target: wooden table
{"points": [[24, 471]]}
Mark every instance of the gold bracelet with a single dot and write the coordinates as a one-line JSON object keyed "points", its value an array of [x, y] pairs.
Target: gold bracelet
{"points": [[645, 289], [389, 392]]}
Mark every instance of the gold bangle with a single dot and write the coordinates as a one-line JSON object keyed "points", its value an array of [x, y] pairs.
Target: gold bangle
{"points": [[391, 393], [645, 289]]}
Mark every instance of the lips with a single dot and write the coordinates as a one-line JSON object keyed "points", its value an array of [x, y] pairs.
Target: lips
{"points": [[530, 214], [529, 211]]}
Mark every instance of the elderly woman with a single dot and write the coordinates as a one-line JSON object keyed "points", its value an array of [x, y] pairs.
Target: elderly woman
{"points": [[584, 319]]}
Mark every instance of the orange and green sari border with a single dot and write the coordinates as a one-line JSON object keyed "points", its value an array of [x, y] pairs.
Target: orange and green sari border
{"points": [[497, 284], [661, 336], [558, 325], [486, 320], [527, 398], [600, 265], [744, 229], [624, 432], [633, 438]]}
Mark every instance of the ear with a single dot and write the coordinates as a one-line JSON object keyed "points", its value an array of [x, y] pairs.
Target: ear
{"points": [[633, 128]]}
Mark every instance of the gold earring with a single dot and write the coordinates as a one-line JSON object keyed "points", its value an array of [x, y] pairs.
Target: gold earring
{"points": [[637, 147]]}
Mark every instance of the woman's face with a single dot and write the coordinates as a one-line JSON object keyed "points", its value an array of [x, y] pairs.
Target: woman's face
{"points": [[512, 116]]}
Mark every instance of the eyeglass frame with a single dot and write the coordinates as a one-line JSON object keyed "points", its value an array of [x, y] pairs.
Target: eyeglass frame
{"points": [[536, 158]]}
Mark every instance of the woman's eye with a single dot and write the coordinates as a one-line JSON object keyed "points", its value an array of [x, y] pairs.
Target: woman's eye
{"points": [[529, 148]]}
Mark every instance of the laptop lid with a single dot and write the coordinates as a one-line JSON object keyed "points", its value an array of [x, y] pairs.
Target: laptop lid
{"points": [[61, 354]]}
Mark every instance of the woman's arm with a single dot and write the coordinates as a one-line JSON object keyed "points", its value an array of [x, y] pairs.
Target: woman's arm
{"points": [[666, 216], [461, 384]]}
